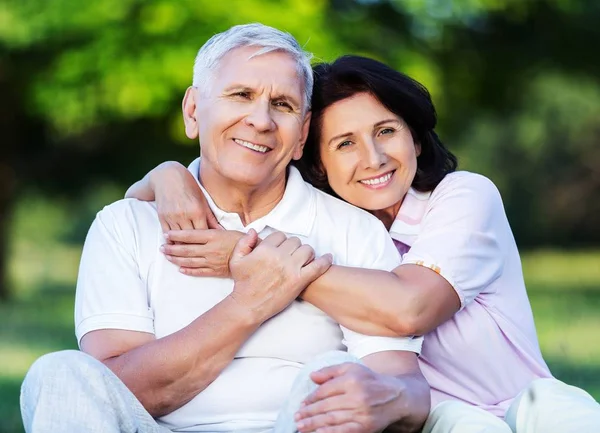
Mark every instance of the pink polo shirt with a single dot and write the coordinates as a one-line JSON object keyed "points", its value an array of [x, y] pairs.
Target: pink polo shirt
{"points": [[488, 352]]}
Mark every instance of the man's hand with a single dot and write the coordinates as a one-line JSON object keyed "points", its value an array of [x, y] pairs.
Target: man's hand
{"points": [[350, 398], [270, 276], [201, 253]]}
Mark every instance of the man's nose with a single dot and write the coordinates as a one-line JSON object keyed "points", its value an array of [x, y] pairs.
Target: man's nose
{"points": [[373, 155], [260, 116]]}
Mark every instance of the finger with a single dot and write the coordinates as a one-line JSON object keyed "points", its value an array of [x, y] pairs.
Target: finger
{"points": [[199, 224], [305, 254], [213, 223], [316, 268], [324, 420], [328, 373], [186, 224], [245, 245], [187, 262], [338, 402], [275, 239], [199, 272], [174, 225], [290, 245], [183, 250], [189, 236], [164, 225], [349, 427], [331, 388]]}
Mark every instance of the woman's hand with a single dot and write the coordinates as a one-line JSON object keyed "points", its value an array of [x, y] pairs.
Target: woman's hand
{"points": [[201, 253], [351, 398], [180, 203]]}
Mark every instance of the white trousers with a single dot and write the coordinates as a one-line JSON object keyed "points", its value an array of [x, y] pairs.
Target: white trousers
{"points": [[71, 392], [545, 406]]}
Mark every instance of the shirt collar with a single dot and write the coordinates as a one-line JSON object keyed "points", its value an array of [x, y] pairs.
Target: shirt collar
{"points": [[407, 225], [294, 214]]}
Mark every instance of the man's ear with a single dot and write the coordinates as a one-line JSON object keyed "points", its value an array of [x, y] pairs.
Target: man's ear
{"points": [[188, 107], [305, 127]]}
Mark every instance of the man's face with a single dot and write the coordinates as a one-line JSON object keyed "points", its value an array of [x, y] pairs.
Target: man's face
{"points": [[251, 121]]}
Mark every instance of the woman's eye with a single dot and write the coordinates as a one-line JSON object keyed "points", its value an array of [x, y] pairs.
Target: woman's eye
{"points": [[387, 131], [344, 144]]}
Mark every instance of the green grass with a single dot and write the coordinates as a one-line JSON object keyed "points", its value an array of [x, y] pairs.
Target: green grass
{"points": [[564, 289]]}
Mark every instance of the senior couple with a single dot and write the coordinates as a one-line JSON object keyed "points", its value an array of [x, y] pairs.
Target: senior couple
{"points": [[232, 295]]}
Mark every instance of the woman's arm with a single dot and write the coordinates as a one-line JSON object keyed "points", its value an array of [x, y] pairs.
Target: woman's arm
{"points": [[411, 300]]}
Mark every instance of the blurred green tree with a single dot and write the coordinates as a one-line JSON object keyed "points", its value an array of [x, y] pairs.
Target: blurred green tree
{"points": [[91, 90]]}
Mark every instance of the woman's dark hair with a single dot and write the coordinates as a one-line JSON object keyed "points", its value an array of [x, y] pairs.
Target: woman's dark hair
{"points": [[403, 96]]}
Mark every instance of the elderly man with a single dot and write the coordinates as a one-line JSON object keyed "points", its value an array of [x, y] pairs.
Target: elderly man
{"points": [[173, 352]]}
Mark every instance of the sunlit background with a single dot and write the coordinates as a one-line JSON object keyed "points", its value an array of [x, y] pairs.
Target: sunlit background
{"points": [[89, 101]]}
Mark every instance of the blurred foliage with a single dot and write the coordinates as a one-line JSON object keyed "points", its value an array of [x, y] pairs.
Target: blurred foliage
{"points": [[90, 100], [91, 93]]}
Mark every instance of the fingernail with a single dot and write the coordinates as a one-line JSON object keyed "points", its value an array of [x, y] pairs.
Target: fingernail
{"points": [[162, 248], [166, 235], [300, 425]]}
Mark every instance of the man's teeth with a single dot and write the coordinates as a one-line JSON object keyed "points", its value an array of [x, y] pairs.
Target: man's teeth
{"points": [[379, 180], [258, 148]]}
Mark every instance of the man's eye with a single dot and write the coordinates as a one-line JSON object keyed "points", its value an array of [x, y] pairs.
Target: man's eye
{"points": [[283, 104], [244, 95]]}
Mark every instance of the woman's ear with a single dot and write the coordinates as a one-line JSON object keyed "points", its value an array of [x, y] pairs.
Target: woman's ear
{"points": [[418, 149], [188, 108]]}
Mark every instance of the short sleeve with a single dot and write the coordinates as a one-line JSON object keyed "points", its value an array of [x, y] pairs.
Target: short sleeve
{"points": [[111, 290], [461, 234], [374, 249]]}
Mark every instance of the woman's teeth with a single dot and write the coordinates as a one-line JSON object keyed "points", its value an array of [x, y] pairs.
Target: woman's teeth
{"points": [[378, 180], [258, 148]]}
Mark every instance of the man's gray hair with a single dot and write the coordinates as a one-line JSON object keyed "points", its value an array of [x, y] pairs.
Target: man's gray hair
{"points": [[255, 35]]}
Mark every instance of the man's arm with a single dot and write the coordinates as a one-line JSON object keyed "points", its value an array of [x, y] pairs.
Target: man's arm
{"points": [[166, 373]]}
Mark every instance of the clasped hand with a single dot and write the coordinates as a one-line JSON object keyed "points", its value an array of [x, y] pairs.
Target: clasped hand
{"points": [[351, 398]]}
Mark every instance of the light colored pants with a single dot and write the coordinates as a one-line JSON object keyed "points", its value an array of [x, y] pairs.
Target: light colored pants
{"points": [[71, 392], [545, 406]]}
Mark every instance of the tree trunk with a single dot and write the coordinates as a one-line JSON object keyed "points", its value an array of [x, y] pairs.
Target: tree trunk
{"points": [[4, 216], [9, 137]]}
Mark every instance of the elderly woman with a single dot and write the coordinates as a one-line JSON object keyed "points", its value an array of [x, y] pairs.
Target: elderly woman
{"points": [[372, 143]]}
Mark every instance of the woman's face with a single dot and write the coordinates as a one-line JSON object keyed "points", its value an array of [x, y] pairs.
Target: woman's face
{"points": [[367, 152]]}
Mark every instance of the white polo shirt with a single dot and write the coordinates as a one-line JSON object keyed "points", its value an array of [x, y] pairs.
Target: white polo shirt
{"points": [[126, 283]]}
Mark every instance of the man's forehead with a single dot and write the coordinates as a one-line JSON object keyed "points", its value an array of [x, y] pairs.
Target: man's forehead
{"points": [[276, 69]]}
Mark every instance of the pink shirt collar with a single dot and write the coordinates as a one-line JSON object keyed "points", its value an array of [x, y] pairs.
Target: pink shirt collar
{"points": [[407, 225]]}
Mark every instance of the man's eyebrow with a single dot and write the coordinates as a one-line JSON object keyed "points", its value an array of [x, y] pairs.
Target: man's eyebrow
{"points": [[238, 88]]}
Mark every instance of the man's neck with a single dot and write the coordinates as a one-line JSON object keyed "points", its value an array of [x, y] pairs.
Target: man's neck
{"points": [[250, 203]]}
